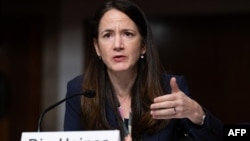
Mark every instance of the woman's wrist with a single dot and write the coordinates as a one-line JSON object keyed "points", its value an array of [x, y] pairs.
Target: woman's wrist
{"points": [[199, 115]]}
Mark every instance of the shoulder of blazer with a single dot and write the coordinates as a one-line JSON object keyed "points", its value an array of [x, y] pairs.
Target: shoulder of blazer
{"points": [[75, 84]]}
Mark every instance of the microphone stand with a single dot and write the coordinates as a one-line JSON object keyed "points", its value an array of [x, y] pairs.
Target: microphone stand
{"points": [[88, 94]]}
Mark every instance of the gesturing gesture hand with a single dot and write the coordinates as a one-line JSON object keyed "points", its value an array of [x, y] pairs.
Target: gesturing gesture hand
{"points": [[176, 105]]}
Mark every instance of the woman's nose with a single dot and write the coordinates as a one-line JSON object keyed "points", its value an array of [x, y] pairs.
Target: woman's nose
{"points": [[118, 43]]}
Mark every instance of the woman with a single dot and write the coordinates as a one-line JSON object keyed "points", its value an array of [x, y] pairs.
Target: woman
{"points": [[132, 92]]}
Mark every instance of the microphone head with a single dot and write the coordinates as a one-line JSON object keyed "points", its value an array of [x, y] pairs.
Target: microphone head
{"points": [[89, 93]]}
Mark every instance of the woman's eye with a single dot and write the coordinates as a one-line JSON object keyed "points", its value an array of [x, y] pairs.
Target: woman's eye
{"points": [[107, 35], [129, 34]]}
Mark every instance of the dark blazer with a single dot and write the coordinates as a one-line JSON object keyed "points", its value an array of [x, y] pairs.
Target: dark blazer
{"points": [[178, 129]]}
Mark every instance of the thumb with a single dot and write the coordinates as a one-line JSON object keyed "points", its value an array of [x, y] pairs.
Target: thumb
{"points": [[174, 86]]}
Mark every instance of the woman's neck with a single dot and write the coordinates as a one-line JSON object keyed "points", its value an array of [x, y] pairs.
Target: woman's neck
{"points": [[122, 82]]}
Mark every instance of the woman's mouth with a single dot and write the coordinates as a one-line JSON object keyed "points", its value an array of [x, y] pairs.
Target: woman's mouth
{"points": [[119, 58]]}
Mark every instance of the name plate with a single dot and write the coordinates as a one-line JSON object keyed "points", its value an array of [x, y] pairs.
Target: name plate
{"points": [[100, 135]]}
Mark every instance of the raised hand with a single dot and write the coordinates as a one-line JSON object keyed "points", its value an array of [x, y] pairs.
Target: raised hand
{"points": [[176, 105]]}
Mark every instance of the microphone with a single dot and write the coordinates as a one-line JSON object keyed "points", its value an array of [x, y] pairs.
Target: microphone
{"points": [[87, 93]]}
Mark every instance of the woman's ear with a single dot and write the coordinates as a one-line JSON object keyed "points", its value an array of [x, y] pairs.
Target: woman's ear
{"points": [[95, 42], [143, 50]]}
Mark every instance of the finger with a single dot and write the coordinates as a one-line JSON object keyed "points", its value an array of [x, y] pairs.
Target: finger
{"points": [[163, 113], [174, 86], [161, 105], [166, 97], [164, 117]]}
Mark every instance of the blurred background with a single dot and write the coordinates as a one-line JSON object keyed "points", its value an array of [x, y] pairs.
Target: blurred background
{"points": [[42, 44]]}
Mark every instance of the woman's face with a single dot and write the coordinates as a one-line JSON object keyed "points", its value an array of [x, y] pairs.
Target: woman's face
{"points": [[119, 42]]}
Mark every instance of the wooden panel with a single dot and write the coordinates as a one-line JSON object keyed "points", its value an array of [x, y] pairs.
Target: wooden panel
{"points": [[22, 67], [4, 128]]}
